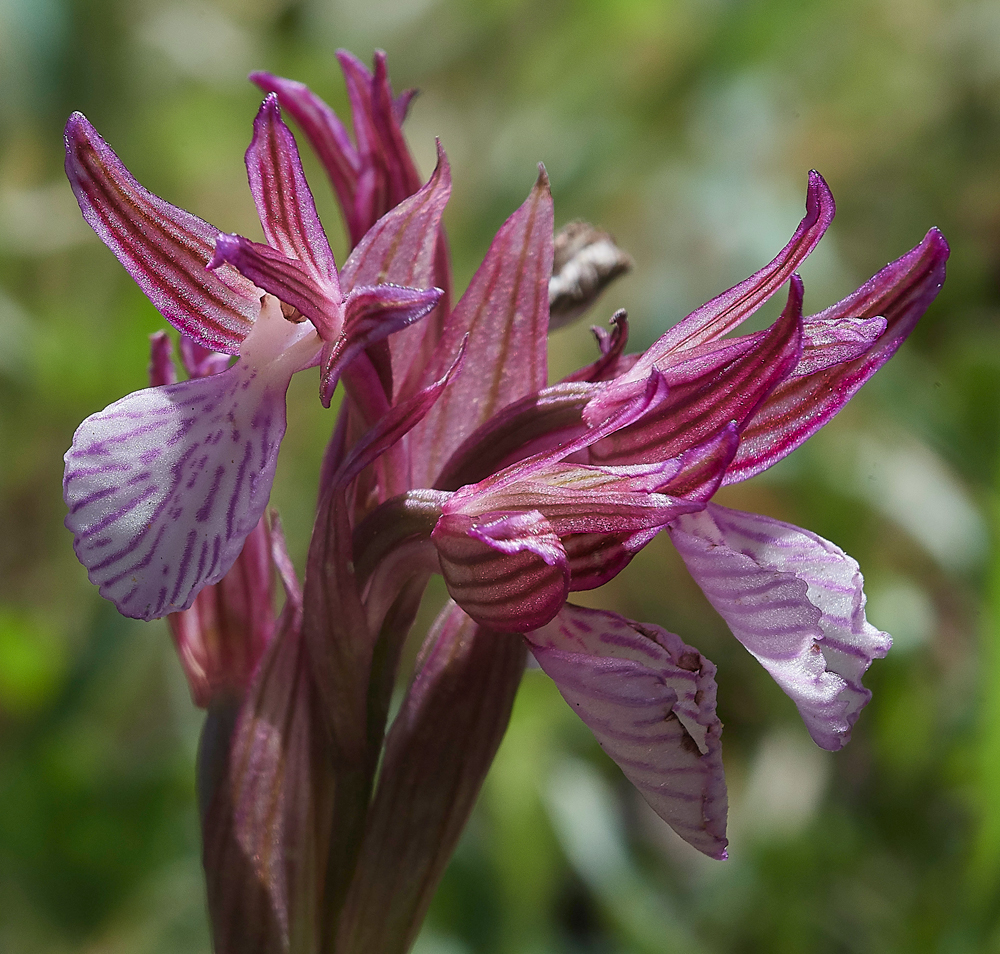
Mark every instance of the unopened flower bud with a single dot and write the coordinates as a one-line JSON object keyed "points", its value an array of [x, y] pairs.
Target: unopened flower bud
{"points": [[585, 261]]}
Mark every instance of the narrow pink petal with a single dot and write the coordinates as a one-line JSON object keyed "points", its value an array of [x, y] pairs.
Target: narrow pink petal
{"points": [[165, 249], [371, 314], [697, 409], [401, 172], [650, 701], [830, 374], [358, 79], [505, 314], [398, 421], [726, 312], [385, 159], [796, 602], [327, 136], [399, 248], [832, 341], [283, 199], [164, 485], [577, 498], [508, 571], [437, 754]]}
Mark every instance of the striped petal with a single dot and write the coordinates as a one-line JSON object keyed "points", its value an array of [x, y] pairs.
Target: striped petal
{"points": [[286, 278], [165, 249], [650, 701], [796, 602], [730, 309], [407, 247], [508, 571], [843, 347], [371, 314], [723, 389], [399, 247], [326, 134], [384, 155], [283, 199], [164, 485]]}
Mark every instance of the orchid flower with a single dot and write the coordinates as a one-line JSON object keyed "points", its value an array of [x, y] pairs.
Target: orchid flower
{"points": [[452, 454], [164, 485]]}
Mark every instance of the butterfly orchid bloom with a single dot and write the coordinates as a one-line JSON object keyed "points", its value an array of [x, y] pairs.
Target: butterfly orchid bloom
{"points": [[452, 454]]}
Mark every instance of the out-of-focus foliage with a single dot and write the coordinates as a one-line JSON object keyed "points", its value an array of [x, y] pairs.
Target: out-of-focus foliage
{"points": [[686, 128]]}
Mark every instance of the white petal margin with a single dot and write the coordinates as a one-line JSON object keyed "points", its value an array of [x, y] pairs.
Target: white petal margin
{"points": [[796, 602], [164, 485], [650, 701]]}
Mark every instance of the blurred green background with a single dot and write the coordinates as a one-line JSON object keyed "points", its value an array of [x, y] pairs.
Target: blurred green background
{"points": [[685, 127]]}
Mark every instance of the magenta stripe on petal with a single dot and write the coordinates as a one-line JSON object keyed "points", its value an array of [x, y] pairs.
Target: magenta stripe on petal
{"points": [[286, 278], [326, 134], [729, 392], [508, 571], [796, 602], [650, 701]]}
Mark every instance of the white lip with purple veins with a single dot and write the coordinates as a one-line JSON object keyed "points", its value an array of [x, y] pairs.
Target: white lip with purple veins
{"points": [[164, 485]]}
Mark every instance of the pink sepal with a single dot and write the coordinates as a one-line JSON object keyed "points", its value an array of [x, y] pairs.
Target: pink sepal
{"points": [[165, 249], [326, 134], [727, 311], [371, 314], [726, 386], [284, 201], [505, 313]]}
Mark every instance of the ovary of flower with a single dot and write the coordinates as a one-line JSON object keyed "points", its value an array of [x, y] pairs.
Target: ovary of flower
{"points": [[164, 485]]}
